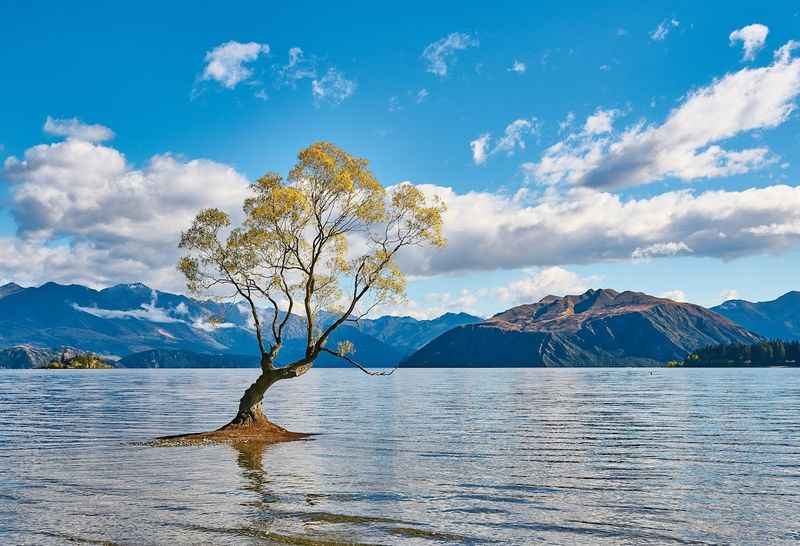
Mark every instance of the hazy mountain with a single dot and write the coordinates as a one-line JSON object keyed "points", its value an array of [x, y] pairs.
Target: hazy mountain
{"points": [[776, 319], [599, 327], [28, 356], [131, 318], [407, 334], [8, 289], [165, 358]]}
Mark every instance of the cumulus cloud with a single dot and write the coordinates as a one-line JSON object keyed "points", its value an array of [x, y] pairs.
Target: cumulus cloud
{"points": [[662, 30], [76, 129], [602, 121], [518, 66], [87, 215], [687, 144], [660, 249], [84, 214], [752, 37], [440, 54], [675, 295], [479, 148], [555, 281], [333, 87], [529, 288], [228, 63], [512, 139], [489, 231], [297, 68]]}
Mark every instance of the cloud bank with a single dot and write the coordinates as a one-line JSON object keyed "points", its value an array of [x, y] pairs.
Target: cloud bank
{"points": [[688, 145]]}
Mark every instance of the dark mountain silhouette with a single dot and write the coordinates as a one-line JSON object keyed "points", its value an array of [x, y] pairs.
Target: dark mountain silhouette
{"points": [[597, 328], [166, 358], [776, 319]]}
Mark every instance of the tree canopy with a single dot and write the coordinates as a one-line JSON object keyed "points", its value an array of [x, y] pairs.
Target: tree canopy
{"points": [[326, 238]]}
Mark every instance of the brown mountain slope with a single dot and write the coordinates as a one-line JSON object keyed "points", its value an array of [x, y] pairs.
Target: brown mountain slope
{"points": [[597, 328]]}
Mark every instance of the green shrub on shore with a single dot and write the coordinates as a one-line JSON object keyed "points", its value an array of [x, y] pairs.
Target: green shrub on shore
{"points": [[86, 361]]}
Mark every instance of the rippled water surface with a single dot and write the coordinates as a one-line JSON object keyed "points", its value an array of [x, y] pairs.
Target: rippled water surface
{"points": [[514, 456]]}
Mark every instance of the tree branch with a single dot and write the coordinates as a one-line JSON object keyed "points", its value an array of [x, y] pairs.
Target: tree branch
{"points": [[357, 365]]}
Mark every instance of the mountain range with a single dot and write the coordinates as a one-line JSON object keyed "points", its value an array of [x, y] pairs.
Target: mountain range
{"points": [[143, 327], [128, 319], [599, 327], [776, 319]]}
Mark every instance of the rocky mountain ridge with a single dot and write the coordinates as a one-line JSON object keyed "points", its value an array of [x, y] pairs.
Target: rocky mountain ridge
{"points": [[596, 328]]}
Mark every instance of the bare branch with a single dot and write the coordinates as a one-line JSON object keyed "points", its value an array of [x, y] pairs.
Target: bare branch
{"points": [[359, 366]]}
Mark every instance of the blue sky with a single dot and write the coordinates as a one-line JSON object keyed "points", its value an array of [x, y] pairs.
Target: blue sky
{"points": [[138, 70]]}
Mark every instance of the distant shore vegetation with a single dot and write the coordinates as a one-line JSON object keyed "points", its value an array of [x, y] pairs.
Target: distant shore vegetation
{"points": [[756, 355], [86, 361]]}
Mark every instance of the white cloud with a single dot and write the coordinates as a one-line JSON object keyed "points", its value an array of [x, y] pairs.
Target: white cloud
{"points": [[565, 125], [686, 146], [75, 129], [433, 305], [227, 63], [660, 249], [513, 138], [518, 67], [478, 147], [662, 30], [752, 37], [84, 214], [422, 94], [675, 295], [333, 87], [490, 231], [730, 294], [150, 312], [530, 288], [147, 311], [555, 281], [299, 67], [514, 135], [441, 53], [602, 121]]}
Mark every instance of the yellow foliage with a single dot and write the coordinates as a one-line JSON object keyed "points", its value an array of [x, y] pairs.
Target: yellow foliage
{"points": [[299, 237]]}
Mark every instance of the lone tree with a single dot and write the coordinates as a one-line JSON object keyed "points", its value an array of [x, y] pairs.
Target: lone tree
{"points": [[324, 239]]}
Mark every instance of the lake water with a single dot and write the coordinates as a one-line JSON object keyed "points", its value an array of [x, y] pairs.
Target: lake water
{"points": [[513, 456]]}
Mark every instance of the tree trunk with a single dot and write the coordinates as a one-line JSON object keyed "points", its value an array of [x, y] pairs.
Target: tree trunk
{"points": [[250, 414], [250, 419]]}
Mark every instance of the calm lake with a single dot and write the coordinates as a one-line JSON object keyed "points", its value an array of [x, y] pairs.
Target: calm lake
{"points": [[449, 456]]}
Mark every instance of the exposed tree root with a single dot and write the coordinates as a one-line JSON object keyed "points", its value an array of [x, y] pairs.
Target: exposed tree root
{"points": [[260, 431]]}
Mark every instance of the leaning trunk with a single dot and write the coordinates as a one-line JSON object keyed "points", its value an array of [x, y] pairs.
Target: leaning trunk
{"points": [[250, 413]]}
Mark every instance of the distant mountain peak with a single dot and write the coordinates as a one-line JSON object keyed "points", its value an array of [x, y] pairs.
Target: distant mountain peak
{"points": [[776, 319], [10, 288], [598, 327], [135, 286]]}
